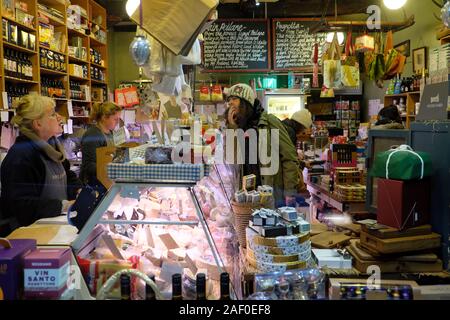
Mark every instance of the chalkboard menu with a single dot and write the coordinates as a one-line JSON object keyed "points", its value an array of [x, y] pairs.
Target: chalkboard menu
{"points": [[293, 44], [237, 45]]}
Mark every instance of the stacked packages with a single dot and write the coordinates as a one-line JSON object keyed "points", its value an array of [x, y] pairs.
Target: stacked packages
{"points": [[278, 240]]}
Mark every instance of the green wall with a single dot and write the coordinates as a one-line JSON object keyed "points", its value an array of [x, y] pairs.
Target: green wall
{"points": [[121, 67]]}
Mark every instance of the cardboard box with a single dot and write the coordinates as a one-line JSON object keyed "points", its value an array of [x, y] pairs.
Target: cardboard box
{"points": [[331, 258], [403, 204], [46, 271], [11, 266]]}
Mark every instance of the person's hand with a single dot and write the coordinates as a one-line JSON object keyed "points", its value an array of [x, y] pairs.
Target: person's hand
{"points": [[66, 205], [290, 201]]}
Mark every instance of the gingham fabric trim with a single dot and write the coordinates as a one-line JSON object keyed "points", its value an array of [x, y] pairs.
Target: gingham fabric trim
{"points": [[158, 172]]}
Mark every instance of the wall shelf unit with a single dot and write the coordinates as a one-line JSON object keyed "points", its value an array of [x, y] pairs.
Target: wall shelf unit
{"points": [[54, 13]]}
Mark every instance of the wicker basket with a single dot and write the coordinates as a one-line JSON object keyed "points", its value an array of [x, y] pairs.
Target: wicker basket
{"points": [[242, 214]]}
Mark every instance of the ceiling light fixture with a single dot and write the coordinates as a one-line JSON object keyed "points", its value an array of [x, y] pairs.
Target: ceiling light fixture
{"points": [[131, 6], [340, 36], [394, 4]]}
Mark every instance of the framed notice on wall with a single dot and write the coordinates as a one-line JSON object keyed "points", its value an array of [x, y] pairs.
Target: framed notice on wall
{"points": [[293, 43], [239, 45]]}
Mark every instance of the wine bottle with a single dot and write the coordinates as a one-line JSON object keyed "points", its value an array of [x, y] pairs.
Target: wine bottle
{"points": [[149, 292], [201, 286], [177, 287], [224, 286], [125, 287]]}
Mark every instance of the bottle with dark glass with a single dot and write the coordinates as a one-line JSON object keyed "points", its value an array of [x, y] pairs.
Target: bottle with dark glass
{"points": [[201, 286], [14, 72], [6, 62], [149, 292], [125, 287], [177, 293], [225, 286]]}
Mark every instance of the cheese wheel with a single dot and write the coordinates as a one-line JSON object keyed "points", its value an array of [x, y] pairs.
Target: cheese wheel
{"points": [[265, 257], [282, 241], [276, 267], [305, 246]]}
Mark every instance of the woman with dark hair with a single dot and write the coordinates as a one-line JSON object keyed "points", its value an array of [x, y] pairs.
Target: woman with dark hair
{"points": [[389, 118], [245, 112]]}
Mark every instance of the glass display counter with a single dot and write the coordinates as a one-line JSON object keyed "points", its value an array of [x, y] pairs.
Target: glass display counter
{"points": [[164, 228]]}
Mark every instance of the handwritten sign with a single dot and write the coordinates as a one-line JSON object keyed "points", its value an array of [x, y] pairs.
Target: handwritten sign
{"points": [[293, 44], [237, 45]]}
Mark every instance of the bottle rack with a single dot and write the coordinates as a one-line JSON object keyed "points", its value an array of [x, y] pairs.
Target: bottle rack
{"points": [[56, 66]]}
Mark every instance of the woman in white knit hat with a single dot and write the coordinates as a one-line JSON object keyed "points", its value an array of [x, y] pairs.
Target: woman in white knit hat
{"points": [[245, 112]]}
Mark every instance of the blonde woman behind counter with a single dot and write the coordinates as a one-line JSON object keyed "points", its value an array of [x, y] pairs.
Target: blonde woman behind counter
{"points": [[106, 116], [35, 175]]}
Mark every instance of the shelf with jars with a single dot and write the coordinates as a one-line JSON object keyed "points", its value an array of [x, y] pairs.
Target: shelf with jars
{"points": [[46, 39]]}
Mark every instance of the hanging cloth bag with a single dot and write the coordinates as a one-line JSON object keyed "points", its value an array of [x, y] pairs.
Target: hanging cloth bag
{"points": [[350, 65]]}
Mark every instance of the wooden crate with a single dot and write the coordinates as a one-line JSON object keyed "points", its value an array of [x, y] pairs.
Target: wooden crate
{"points": [[362, 259], [395, 233], [398, 245]]}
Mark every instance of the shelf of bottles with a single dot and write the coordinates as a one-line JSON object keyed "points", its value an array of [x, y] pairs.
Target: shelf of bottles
{"points": [[189, 289], [77, 91], [30, 65]]}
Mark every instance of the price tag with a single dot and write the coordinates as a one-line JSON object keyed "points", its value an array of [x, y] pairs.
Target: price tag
{"points": [[70, 108], [4, 116], [5, 100]]}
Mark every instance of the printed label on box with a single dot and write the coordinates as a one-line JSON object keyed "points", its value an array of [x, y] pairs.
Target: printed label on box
{"points": [[46, 279]]}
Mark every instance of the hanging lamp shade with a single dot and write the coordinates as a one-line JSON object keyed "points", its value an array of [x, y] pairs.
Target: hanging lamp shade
{"points": [[394, 4], [140, 46], [140, 50]]}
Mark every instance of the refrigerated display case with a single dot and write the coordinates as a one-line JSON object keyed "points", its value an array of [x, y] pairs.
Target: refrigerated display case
{"points": [[176, 226], [282, 103]]}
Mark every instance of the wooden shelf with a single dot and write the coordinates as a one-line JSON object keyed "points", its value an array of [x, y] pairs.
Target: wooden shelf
{"points": [[53, 20], [80, 101], [96, 24], [75, 59], [59, 22], [18, 48], [21, 25], [404, 94], [17, 80], [98, 82], [98, 66], [53, 50], [411, 98], [52, 72], [97, 42], [78, 78], [77, 33]]}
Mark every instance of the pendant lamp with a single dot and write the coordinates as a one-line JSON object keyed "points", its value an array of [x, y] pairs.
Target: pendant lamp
{"points": [[140, 46], [394, 4]]}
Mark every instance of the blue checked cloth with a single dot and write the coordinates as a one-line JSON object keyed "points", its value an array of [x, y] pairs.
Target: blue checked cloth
{"points": [[157, 172]]}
